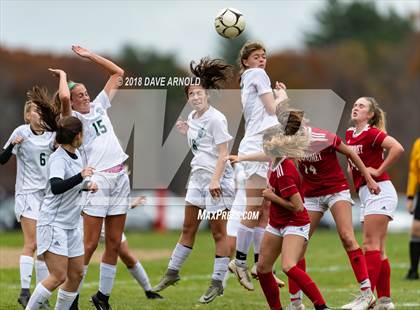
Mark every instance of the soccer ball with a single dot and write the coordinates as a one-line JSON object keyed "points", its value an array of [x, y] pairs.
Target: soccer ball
{"points": [[229, 23]]}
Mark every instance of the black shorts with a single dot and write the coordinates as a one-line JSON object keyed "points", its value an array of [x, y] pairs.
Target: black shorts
{"points": [[417, 209]]}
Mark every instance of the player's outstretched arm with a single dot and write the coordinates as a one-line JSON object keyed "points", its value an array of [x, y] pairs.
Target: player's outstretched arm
{"points": [[116, 73], [249, 157], [63, 91]]}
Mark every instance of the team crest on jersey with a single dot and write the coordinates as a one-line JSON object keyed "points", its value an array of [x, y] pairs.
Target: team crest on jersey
{"points": [[99, 110], [195, 142]]}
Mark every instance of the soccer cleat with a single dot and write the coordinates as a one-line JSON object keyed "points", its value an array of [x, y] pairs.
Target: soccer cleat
{"points": [[384, 303], [169, 278], [152, 295], [215, 289], [362, 302], [295, 306], [99, 303], [24, 297], [242, 274], [412, 275], [254, 275]]}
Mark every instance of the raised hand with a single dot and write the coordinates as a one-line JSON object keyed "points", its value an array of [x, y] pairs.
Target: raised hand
{"points": [[81, 51], [182, 126], [18, 140], [87, 172], [56, 72]]}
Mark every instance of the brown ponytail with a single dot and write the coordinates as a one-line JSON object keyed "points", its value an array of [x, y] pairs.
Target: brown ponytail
{"points": [[39, 97], [211, 72]]}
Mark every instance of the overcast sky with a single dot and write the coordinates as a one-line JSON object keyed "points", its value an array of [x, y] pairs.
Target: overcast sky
{"points": [[182, 27]]}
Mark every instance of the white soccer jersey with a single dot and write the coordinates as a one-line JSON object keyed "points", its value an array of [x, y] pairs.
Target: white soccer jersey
{"points": [[62, 210], [31, 158], [254, 83], [204, 134], [101, 148]]}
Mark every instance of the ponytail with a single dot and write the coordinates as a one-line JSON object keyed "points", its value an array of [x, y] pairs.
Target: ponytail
{"points": [[379, 116]]}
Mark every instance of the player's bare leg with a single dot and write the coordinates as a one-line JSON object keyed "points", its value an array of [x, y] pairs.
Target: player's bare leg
{"points": [[182, 249]]}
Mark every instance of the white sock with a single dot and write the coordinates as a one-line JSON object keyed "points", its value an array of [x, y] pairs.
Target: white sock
{"points": [[257, 238], [26, 264], [85, 268], [38, 297], [140, 275], [296, 299], [178, 257], [106, 278], [225, 279], [243, 242], [64, 299], [220, 268], [364, 285], [41, 270]]}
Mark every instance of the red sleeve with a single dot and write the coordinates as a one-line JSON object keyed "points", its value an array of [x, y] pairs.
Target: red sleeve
{"points": [[337, 141], [378, 137], [287, 186]]}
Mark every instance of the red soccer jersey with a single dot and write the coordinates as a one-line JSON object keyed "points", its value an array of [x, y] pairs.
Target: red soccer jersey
{"points": [[367, 144], [285, 181], [321, 171]]}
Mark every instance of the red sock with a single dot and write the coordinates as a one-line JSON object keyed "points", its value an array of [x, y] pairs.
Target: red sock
{"points": [[306, 285], [383, 287], [270, 289], [293, 286], [373, 263], [358, 263]]}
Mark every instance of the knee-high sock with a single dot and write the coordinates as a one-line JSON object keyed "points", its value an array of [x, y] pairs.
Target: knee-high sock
{"points": [[243, 242], [358, 263], [414, 253], [270, 289], [140, 275], [306, 285], [383, 287], [178, 257], [294, 289], [106, 278], [373, 263], [64, 299], [39, 296], [26, 264]]}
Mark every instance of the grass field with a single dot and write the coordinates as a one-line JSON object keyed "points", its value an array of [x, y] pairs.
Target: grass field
{"points": [[326, 260]]}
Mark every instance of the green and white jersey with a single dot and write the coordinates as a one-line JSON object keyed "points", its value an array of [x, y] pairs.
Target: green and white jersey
{"points": [[31, 158]]}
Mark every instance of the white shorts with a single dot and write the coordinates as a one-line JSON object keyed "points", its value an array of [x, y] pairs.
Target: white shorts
{"points": [[27, 205], [65, 242], [198, 193], [238, 208], [112, 198], [290, 230], [102, 237], [323, 203], [384, 203], [252, 145]]}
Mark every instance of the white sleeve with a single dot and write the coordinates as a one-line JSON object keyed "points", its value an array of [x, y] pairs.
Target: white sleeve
{"points": [[103, 100], [218, 128], [57, 168], [15, 133], [261, 81]]}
